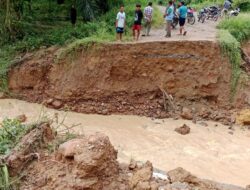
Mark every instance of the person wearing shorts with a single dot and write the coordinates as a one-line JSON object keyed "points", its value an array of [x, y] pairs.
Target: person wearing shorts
{"points": [[137, 22], [182, 18], [120, 23]]}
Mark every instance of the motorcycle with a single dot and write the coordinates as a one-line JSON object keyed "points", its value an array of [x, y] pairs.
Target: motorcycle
{"points": [[213, 13], [190, 16], [235, 12], [202, 16]]}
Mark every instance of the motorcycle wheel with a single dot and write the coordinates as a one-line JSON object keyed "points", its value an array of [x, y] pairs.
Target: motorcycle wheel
{"points": [[215, 18], [203, 19], [191, 20]]}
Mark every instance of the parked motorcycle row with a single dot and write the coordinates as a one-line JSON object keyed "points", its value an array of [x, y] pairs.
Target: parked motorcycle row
{"points": [[215, 12], [207, 13]]}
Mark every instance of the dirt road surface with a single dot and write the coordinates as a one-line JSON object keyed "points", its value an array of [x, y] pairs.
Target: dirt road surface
{"points": [[212, 152], [196, 32]]}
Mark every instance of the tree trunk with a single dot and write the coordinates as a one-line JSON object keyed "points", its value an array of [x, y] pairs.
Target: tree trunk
{"points": [[7, 22]]}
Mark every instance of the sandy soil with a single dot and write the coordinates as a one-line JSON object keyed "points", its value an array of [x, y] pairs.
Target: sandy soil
{"points": [[208, 152], [198, 31]]}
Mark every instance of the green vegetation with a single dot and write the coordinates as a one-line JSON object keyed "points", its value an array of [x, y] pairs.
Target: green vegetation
{"points": [[238, 26], [4, 178], [198, 4], [231, 48], [11, 131], [232, 33]]}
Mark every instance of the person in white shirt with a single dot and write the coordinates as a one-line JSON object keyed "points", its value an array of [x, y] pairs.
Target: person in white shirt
{"points": [[120, 23], [148, 17]]}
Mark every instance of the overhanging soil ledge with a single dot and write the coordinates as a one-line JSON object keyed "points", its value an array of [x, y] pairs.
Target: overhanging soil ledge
{"points": [[127, 78]]}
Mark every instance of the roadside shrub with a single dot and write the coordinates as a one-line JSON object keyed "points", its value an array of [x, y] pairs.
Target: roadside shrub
{"points": [[238, 26]]}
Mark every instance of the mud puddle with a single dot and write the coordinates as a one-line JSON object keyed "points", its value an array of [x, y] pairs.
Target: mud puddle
{"points": [[210, 151]]}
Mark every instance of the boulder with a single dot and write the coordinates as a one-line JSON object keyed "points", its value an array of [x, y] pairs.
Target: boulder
{"points": [[144, 174], [243, 118], [21, 118], [183, 130], [186, 114], [180, 175]]}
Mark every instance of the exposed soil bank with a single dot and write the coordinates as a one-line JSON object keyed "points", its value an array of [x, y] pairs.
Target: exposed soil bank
{"points": [[211, 150], [125, 78]]}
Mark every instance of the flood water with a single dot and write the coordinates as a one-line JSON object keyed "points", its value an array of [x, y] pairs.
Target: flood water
{"points": [[209, 152]]}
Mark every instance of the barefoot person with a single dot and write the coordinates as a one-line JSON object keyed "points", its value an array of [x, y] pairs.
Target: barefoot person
{"points": [[120, 23], [182, 18], [169, 15], [148, 17], [137, 22]]}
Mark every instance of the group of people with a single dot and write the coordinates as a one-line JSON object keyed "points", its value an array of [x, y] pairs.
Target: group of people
{"points": [[147, 16], [170, 13]]}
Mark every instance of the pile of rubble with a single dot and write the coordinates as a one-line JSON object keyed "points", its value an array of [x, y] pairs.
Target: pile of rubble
{"points": [[91, 163]]}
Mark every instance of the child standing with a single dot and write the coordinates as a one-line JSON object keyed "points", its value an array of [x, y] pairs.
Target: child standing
{"points": [[120, 23], [137, 22]]}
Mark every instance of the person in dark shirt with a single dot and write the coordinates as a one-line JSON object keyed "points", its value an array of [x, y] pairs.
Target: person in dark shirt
{"points": [[73, 15], [137, 22]]}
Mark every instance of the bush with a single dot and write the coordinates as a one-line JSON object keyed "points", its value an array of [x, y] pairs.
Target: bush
{"points": [[11, 131], [238, 26]]}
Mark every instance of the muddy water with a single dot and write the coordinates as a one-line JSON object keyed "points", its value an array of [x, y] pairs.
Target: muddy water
{"points": [[208, 152]]}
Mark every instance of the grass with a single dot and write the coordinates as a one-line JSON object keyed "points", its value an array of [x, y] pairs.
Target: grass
{"points": [[239, 26], [231, 48], [198, 4], [11, 131], [4, 178], [233, 32]]}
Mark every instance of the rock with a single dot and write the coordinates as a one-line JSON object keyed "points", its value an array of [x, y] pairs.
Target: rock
{"points": [[243, 118], [180, 186], [187, 114], [93, 156], [144, 174], [57, 104], [132, 164], [184, 130], [25, 151], [70, 148], [49, 101], [180, 175], [105, 111], [145, 185], [21, 118], [248, 187], [154, 185], [204, 124], [165, 187]]}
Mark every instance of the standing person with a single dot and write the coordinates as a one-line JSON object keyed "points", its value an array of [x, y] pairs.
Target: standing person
{"points": [[227, 6], [169, 15], [148, 17], [73, 15], [120, 23], [137, 22], [182, 17]]}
